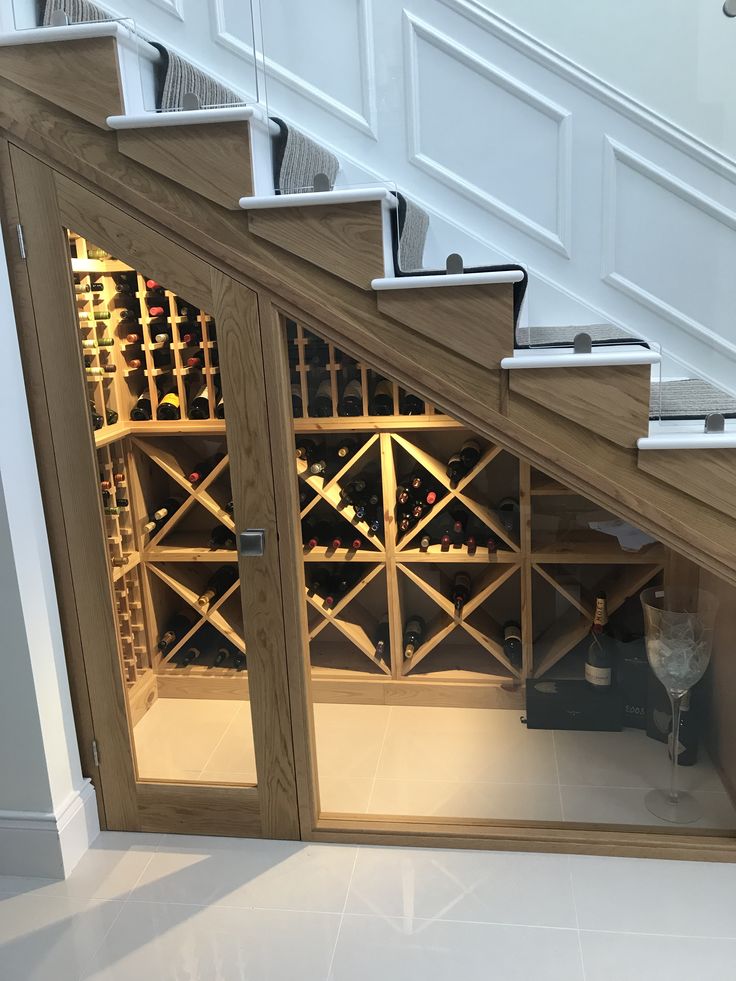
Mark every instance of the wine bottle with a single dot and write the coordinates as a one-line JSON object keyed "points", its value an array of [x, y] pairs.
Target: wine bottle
{"points": [[105, 341], [195, 360], [471, 544], [134, 364], [321, 404], [191, 653], [88, 287], [97, 421], [199, 407], [512, 642], [457, 529], [101, 315], [190, 334], [424, 542], [411, 405], [155, 310], [162, 513], [351, 403], [205, 467], [382, 639], [217, 585], [118, 478], [222, 537], [95, 252], [297, 402], [169, 407], [470, 453], [121, 502], [599, 659], [132, 338], [126, 314], [456, 469], [414, 629], [220, 411], [382, 403], [346, 449], [177, 626], [508, 514], [230, 508], [321, 533], [111, 416], [306, 450], [141, 411], [462, 588]]}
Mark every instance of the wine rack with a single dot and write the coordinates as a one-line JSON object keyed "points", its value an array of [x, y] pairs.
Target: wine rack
{"points": [[530, 551]]}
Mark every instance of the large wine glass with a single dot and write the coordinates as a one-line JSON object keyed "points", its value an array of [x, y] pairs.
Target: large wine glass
{"points": [[679, 635]]}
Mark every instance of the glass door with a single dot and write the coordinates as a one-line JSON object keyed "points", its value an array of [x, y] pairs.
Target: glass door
{"points": [[153, 373]]}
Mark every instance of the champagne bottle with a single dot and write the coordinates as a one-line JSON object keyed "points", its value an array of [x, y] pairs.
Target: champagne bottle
{"points": [[411, 405], [321, 404], [141, 411], [382, 639], [599, 659], [217, 585], [222, 537], [168, 407], [162, 513], [512, 642], [199, 407], [351, 403], [414, 629], [462, 588], [205, 467], [177, 626], [382, 403]]}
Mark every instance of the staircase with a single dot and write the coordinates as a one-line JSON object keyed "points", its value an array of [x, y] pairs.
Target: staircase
{"points": [[588, 404]]}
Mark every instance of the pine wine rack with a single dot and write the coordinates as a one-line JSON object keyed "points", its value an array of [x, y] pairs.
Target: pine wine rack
{"points": [[539, 564]]}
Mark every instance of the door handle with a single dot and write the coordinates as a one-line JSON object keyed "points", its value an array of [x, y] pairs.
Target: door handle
{"points": [[252, 541]]}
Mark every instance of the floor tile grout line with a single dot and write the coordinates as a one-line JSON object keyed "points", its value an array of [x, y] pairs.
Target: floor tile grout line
{"points": [[342, 914], [219, 743], [378, 760], [557, 772], [571, 877], [106, 933]]}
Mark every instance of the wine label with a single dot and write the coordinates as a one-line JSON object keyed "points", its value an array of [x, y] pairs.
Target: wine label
{"points": [[171, 399], [601, 677], [354, 389]]}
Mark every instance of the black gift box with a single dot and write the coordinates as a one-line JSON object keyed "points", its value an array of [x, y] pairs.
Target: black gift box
{"points": [[572, 705], [632, 675]]}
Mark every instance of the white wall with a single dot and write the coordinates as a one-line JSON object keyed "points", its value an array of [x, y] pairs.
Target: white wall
{"points": [[676, 56], [47, 809]]}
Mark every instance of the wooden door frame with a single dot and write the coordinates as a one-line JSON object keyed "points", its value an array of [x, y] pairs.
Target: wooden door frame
{"points": [[45, 202]]}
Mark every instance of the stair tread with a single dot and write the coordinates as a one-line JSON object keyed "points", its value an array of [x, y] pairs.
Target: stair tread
{"points": [[564, 335], [689, 398]]}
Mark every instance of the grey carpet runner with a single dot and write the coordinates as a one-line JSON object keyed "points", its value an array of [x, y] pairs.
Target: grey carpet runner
{"points": [[564, 336], [177, 77], [689, 398], [413, 223], [297, 160], [77, 11]]}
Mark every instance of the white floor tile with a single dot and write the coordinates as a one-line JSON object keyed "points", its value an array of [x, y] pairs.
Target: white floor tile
{"points": [[696, 899], [50, 938], [345, 794], [248, 873], [617, 805], [108, 870], [349, 739], [618, 956], [466, 799], [625, 759], [465, 745], [177, 736], [407, 949], [233, 759], [453, 884], [165, 942]]}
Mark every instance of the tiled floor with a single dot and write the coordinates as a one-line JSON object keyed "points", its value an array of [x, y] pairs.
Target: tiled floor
{"points": [[171, 908], [418, 761]]}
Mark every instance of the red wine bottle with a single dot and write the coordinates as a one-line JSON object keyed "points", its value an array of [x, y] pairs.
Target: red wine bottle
{"points": [[199, 407], [411, 405], [470, 453], [205, 467], [462, 588]]}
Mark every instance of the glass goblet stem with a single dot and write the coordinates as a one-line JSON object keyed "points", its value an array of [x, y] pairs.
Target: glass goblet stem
{"points": [[676, 703]]}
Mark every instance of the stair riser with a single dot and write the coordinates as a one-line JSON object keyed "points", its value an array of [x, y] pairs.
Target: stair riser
{"points": [[706, 475], [610, 400]]}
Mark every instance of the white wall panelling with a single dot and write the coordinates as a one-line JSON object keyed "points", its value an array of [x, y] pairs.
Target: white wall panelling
{"points": [[529, 184]]}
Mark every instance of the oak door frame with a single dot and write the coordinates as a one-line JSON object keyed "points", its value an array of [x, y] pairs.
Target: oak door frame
{"points": [[46, 202]]}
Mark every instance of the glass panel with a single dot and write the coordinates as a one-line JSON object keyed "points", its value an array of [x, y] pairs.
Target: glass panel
{"points": [[450, 591], [28, 14], [152, 368], [682, 400]]}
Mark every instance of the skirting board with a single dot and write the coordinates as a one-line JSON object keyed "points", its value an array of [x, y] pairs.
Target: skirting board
{"points": [[49, 845]]}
